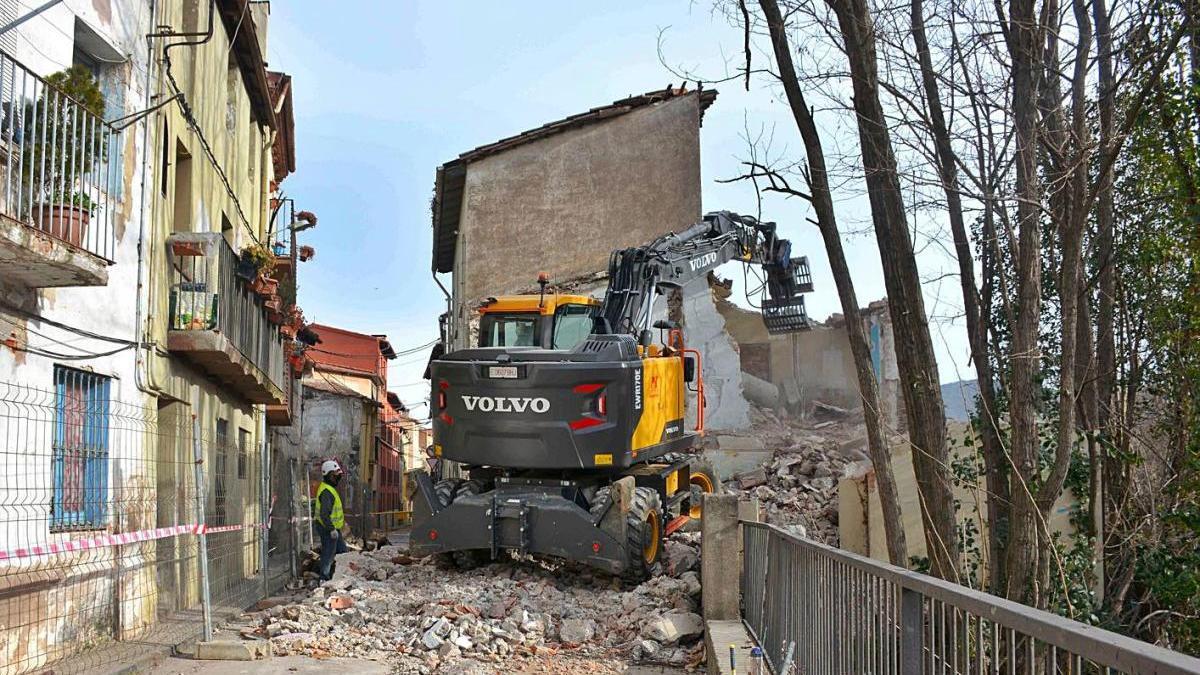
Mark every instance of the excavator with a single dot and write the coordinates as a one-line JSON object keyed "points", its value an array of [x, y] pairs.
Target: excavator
{"points": [[568, 418]]}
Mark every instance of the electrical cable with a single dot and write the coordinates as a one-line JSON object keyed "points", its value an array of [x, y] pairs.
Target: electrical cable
{"points": [[58, 324], [66, 357], [190, 118]]}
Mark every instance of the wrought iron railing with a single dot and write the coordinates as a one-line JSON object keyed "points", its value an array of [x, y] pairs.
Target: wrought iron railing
{"points": [[208, 294], [55, 168], [818, 609]]}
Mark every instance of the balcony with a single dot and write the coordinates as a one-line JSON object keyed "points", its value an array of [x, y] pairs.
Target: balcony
{"points": [[219, 324], [56, 211], [281, 415]]}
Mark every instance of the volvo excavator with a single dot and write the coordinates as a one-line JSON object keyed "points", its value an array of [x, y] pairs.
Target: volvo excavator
{"points": [[568, 418]]}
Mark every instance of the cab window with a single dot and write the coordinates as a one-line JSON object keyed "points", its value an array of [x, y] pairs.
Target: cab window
{"points": [[572, 324], [508, 330]]}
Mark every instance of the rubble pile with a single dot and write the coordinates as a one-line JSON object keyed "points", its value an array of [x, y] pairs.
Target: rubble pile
{"points": [[427, 618], [798, 488]]}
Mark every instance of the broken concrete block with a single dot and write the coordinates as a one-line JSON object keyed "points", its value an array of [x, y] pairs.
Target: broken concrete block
{"points": [[229, 650], [576, 630], [752, 478], [340, 602], [673, 627]]}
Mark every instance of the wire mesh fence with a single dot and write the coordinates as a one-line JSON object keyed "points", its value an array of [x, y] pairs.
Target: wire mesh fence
{"points": [[112, 534], [818, 609]]}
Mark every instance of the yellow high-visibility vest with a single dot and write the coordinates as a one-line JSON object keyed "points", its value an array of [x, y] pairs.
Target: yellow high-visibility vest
{"points": [[335, 515]]}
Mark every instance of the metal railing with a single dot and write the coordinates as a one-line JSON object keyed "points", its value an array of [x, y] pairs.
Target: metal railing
{"points": [[207, 294], [817, 609], [55, 171]]}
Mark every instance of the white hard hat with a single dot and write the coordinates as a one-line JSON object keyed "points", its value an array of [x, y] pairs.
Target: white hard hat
{"points": [[329, 465]]}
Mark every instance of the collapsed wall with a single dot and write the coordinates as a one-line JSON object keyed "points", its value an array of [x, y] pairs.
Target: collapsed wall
{"points": [[815, 368]]}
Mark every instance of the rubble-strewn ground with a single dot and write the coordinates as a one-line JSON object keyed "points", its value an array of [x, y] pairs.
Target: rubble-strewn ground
{"points": [[513, 616], [798, 489], [539, 616]]}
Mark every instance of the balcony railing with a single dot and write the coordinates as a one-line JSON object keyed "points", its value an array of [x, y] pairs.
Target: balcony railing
{"points": [[55, 169], [221, 323]]}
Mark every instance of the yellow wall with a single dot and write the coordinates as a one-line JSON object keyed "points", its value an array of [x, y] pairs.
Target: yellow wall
{"points": [[185, 191], [860, 515]]}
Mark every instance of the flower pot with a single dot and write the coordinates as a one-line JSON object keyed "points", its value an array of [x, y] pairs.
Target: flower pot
{"points": [[306, 253], [63, 221], [265, 286], [187, 248]]}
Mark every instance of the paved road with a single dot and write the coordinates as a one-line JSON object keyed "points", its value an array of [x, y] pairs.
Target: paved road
{"points": [[287, 665], [282, 665]]}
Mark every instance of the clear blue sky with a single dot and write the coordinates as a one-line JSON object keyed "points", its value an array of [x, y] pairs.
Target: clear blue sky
{"points": [[385, 92]]}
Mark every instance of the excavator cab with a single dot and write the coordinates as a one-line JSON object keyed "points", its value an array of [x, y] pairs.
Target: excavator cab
{"points": [[549, 321]]}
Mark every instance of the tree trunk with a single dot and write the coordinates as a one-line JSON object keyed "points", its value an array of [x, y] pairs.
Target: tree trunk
{"points": [[914, 346], [822, 202], [1022, 556], [995, 463], [1106, 349]]}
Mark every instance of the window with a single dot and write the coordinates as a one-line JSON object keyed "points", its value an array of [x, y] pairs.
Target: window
{"points": [[165, 160], [243, 452], [572, 325], [110, 68], [80, 454], [183, 190], [508, 330], [219, 485]]}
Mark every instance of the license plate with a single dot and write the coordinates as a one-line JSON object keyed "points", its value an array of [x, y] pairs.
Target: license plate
{"points": [[503, 372]]}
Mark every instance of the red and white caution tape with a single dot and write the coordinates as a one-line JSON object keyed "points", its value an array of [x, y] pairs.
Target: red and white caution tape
{"points": [[104, 541]]}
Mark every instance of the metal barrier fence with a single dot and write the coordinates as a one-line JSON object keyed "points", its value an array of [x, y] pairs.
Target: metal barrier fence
{"points": [[55, 173], [114, 540], [817, 609]]}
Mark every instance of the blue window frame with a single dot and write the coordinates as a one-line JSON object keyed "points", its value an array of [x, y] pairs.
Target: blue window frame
{"points": [[81, 437]]}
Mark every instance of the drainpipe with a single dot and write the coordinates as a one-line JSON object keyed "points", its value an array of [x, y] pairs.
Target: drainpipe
{"points": [[142, 311], [139, 329]]}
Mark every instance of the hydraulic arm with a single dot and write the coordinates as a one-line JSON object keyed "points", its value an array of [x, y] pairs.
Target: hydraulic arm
{"points": [[638, 275]]}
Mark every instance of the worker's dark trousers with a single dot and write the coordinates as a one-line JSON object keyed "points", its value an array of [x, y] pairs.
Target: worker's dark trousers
{"points": [[329, 548]]}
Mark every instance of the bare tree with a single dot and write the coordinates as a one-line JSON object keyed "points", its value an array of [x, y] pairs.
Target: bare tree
{"points": [[822, 201], [946, 161], [914, 346]]}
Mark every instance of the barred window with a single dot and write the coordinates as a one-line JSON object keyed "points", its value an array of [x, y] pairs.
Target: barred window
{"points": [[80, 458], [243, 452], [220, 495]]}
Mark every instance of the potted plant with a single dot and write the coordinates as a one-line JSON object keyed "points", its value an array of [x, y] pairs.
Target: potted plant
{"points": [[274, 307], [306, 253], [287, 331], [265, 286], [254, 260], [58, 161]]}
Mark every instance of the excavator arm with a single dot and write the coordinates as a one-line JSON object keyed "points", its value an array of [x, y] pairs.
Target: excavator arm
{"points": [[638, 275]]}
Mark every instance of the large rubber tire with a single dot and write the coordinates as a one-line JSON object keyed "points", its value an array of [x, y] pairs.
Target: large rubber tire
{"points": [[644, 531], [704, 479], [600, 502], [445, 490]]}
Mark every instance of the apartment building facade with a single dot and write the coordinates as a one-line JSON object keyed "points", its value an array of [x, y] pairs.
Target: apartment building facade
{"points": [[142, 334]]}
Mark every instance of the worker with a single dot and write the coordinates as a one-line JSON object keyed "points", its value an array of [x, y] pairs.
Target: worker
{"points": [[330, 519]]}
